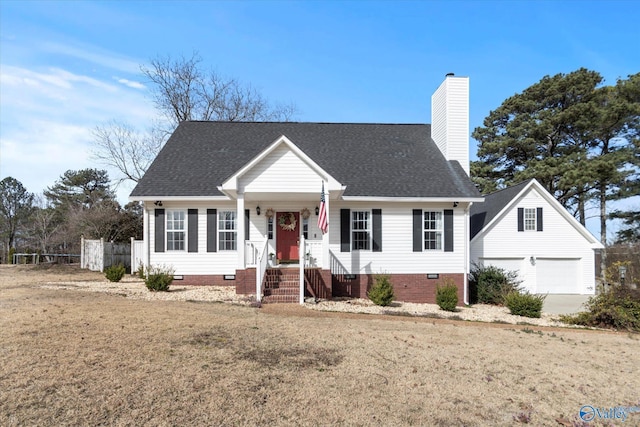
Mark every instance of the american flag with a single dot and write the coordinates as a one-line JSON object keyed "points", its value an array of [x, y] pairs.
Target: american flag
{"points": [[323, 225]]}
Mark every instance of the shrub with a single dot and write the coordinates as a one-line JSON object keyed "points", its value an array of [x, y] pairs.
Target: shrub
{"points": [[524, 304], [619, 308], [490, 284], [140, 271], [447, 295], [159, 278], [381, 293], [115, 273]]}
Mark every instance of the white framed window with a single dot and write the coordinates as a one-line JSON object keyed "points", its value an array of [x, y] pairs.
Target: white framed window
{"points": [[360, 230], [433, 230], [305, 228], [227, 233], [176, 230], [529, 219], [270, 228]]}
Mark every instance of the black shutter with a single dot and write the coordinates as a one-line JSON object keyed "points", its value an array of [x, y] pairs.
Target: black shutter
{"points": [[376, 225], [192, 223], [345, 230], [212, 230], [159, 232], [417, 230], [246, 224], [539, 219], [448, 230], [520, 219]]}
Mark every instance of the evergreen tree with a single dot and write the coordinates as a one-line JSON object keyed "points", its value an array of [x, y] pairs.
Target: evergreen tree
{"points": [[80, 189], [16, 205], [579, 139]]}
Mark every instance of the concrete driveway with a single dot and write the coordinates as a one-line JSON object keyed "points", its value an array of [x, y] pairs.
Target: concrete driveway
{"points": [[564, 303]]}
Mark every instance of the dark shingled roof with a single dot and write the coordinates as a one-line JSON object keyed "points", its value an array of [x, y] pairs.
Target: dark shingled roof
{"points": [[384, 160], [482, 213]]}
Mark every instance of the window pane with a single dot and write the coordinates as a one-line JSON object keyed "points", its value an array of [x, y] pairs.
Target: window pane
{"points": [[227, 233], [433, 230], [176, 230], [360, 233], [529, 219], [175, 241]]}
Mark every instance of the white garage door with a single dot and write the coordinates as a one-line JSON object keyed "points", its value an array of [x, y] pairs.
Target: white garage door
{"points": [[557, 276]]}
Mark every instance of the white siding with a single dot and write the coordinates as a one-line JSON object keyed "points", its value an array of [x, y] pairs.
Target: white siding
{"points": [[450, 119], [397, 240], [281, 171], [222, 262], [558, 240], [397, 254], [202, 262]]}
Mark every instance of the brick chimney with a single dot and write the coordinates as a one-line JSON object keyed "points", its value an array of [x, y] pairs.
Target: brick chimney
{"points": [[450, 119]]}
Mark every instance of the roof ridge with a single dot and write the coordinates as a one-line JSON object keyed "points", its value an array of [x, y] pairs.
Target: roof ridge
{"points": [[307, 123], [511, 187]]}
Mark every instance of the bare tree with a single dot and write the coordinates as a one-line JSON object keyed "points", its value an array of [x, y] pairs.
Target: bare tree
{"points": [[182, 90], [44, 224], [129, 151]]}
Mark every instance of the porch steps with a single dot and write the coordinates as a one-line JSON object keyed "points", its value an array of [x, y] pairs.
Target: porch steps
{"points": [[281, 286]]}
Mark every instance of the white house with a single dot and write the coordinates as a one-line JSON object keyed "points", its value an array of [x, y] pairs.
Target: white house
{"points": [[525, 229], [228, 203]]}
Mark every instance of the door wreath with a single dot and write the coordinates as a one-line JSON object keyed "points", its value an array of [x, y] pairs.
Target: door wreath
{"points": [[282, 221]]}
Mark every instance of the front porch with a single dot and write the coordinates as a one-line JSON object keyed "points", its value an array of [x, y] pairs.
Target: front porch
{"points": [[291, 280]]}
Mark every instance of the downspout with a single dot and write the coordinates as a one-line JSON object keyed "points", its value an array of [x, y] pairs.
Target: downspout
{"points": [[147, 226], [467, 246]]}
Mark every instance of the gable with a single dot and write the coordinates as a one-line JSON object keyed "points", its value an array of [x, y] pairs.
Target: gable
{"points": [[281, 171], [505, 218]]}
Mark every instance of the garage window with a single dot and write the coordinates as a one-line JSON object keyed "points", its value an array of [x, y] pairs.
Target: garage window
{"points": [[529, 219]]}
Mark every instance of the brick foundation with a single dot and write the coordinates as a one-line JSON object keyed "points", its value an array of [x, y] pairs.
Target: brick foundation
{"points": [[407, 287], [246, 281], [204, 280]]}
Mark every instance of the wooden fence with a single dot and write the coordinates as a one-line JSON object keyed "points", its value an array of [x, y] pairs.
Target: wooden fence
{"points": [[96, 255]]}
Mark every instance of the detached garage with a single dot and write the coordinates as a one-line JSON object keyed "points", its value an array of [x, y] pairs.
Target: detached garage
{"points": [[523, 228]]}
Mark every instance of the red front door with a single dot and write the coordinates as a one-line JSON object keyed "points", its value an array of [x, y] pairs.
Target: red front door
{"points": [[287, 236]]}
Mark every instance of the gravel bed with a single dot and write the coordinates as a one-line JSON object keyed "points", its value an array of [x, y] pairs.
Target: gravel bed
{"points": [[134, 288]]}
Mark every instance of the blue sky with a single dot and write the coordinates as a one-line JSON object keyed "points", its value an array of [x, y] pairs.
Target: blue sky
{"points": [[67, 67]]}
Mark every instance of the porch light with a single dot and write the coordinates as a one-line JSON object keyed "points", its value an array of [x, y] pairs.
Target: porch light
{"points": [[317, 210], [258, 210]]}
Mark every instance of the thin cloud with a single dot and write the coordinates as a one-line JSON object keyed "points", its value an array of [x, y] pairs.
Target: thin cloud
{"points": [[94, 55], [48, 115], [130, 83]]}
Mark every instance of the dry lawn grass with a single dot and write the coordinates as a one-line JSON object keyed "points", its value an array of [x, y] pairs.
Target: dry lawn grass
{"points": [[80, 358]]}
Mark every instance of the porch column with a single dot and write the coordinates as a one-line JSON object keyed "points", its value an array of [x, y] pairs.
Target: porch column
{"points": [[240, 237], [326, 262]]}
